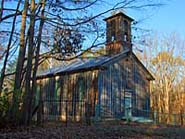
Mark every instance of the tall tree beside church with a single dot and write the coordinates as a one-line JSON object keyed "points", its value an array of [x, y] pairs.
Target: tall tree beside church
{"points": [[28, 88], [19, 68], [36, 64]]}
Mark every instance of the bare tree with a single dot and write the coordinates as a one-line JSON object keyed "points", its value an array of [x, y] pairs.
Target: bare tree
{"points": [[28, 89], [8, 48], [19, 68], [52, 14], [164, 59], [36, 64]]}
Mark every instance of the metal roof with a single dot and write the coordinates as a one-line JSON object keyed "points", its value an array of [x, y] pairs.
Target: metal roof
{"points": [[80, 65], [119, 14]]}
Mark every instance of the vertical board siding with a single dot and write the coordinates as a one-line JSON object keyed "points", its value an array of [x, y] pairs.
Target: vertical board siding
{"points": [[141, 84], [123, 75], [96, 93], [111, 88], [69, 97]]}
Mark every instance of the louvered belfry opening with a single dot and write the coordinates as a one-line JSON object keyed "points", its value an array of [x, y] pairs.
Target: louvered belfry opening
{"points": [[118, 33]]}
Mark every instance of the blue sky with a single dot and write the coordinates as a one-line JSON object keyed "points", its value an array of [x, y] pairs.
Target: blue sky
{"points": [[167, 19]]}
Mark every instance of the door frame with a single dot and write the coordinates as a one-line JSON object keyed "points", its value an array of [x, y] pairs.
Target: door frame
{"points": [[128, 109]]}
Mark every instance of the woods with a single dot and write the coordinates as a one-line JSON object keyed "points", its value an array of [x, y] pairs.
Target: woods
{"points": [[164, 57], [32, 32]]}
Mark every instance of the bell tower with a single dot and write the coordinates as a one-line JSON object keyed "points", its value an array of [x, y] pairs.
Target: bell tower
{"points": [[118, 33]]}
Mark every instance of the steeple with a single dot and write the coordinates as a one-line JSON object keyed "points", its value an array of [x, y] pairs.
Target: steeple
{"points": [[118, 33]]}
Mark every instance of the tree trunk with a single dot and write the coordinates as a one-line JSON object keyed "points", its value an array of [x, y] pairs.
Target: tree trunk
{"points": [[28, 90], [14, 114], [37, 56]]}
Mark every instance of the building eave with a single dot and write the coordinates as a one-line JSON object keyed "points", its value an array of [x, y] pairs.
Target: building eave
{"points": [[97, 66], [119, 14]]}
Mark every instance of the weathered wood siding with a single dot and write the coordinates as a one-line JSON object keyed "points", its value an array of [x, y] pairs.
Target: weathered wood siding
{"points": [[69, 96], [112, 84], [100, 93], [123, 76], [142, 88]]}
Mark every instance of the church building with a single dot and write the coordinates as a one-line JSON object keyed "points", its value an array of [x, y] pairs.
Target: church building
{"points": [[114, 85]]}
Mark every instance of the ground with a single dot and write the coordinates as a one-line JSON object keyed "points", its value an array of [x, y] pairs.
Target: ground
{"points": [[105, 130]]}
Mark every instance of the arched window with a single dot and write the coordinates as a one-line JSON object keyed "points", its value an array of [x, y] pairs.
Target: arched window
{"points": [[111, 31], [125, 26], [125, 30]]}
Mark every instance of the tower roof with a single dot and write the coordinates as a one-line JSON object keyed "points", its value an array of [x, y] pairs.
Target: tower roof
{"points": [[119, 14]]}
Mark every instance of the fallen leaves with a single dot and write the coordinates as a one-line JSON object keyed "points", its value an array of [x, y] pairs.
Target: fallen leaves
{"points": [[101, 130]]}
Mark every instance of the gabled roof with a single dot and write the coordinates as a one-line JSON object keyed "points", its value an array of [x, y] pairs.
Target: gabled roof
{"points": [[119, 14], [81, 65]]}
